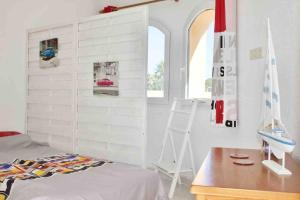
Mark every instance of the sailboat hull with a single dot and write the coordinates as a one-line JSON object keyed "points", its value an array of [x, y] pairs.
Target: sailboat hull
{"points": [[278, 145]]}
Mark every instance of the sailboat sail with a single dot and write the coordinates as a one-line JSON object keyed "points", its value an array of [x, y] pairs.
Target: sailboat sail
{"points": [[271, 111], [272, 129]]}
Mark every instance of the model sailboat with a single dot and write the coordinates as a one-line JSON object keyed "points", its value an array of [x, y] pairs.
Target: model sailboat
{"points": [[272, 129]]}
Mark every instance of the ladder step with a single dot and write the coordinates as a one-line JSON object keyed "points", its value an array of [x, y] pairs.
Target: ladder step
{"points": [[177, 130], [181, 112], [170, 168]]}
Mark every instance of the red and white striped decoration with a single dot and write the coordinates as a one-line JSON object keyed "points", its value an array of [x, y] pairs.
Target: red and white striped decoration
{"points": [[224, 83]]}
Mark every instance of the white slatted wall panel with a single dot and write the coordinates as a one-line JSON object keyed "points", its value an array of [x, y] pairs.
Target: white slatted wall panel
{"points": [[50, 100], [113, 127], [61, 107]]}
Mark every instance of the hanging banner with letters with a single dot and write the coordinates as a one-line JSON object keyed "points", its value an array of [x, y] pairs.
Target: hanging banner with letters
{"points": [[224, 75]]}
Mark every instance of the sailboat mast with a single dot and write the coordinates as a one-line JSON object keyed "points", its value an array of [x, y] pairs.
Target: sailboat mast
{"points": [[271, 81], [270, 72]]}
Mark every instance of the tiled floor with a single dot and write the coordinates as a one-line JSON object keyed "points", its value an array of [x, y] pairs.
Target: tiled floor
{"points": [[181, 192]]}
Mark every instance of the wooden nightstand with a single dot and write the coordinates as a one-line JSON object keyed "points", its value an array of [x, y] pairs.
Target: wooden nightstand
{"points": [[219, 178]]}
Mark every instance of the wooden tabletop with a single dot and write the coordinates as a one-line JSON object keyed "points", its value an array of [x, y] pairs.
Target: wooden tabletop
{"points": [[218, 171]]}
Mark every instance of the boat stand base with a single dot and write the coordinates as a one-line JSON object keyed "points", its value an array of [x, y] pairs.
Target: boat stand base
{"points": [[277, 168]]}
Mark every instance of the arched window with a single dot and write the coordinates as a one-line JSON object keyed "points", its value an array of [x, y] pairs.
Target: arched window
{"points": [[200, 55], [158, 63]]}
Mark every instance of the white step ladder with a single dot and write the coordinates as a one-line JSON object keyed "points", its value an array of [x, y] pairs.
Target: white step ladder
{"points": [[174, 169]]}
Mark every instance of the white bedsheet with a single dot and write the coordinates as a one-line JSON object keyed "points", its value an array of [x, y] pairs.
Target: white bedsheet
{"points": [[109, 182]]}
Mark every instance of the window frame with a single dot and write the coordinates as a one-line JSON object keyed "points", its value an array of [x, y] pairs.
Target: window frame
{"points": [[185, 69], [167, 33]]}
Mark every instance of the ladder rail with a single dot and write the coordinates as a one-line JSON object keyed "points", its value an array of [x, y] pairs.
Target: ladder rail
{"points": [[191, 121], [173, 147], [178, 167], [192, 116], [174, 151], [166, 134], [192, 156]]}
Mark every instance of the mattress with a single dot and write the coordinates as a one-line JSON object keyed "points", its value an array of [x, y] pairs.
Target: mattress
{"points": [[112, 181]]}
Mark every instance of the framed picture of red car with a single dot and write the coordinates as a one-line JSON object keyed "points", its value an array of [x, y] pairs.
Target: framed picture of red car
{"points": [[106, 78], [48, 53]]}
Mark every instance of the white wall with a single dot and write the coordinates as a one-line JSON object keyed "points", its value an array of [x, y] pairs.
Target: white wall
{"points": [[251, 33]]}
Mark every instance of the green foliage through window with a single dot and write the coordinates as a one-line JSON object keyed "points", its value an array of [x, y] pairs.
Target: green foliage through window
{"points": [[156, 80]]}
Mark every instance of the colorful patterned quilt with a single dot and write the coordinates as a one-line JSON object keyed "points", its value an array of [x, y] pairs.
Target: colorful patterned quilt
{"points": [[44, 167]]}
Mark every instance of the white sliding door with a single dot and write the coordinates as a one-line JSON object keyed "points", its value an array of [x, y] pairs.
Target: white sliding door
{"points": [[113, 127], [62, 109], [50, 107]]}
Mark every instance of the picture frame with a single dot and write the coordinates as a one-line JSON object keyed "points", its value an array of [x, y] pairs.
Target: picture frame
{"points": [[48, 53], [106, 78]]}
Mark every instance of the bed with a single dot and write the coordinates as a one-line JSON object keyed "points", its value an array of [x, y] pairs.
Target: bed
{"points": [[111, 181]]}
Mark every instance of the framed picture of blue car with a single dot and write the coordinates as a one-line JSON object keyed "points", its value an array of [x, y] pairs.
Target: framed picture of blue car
{"points": [[48, 53]]}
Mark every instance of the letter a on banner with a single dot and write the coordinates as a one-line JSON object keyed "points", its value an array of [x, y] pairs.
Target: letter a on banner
{"points": [[224, 80]]}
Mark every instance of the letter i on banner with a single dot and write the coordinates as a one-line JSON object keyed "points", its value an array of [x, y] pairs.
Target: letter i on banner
{"points": [[224, 80]]}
